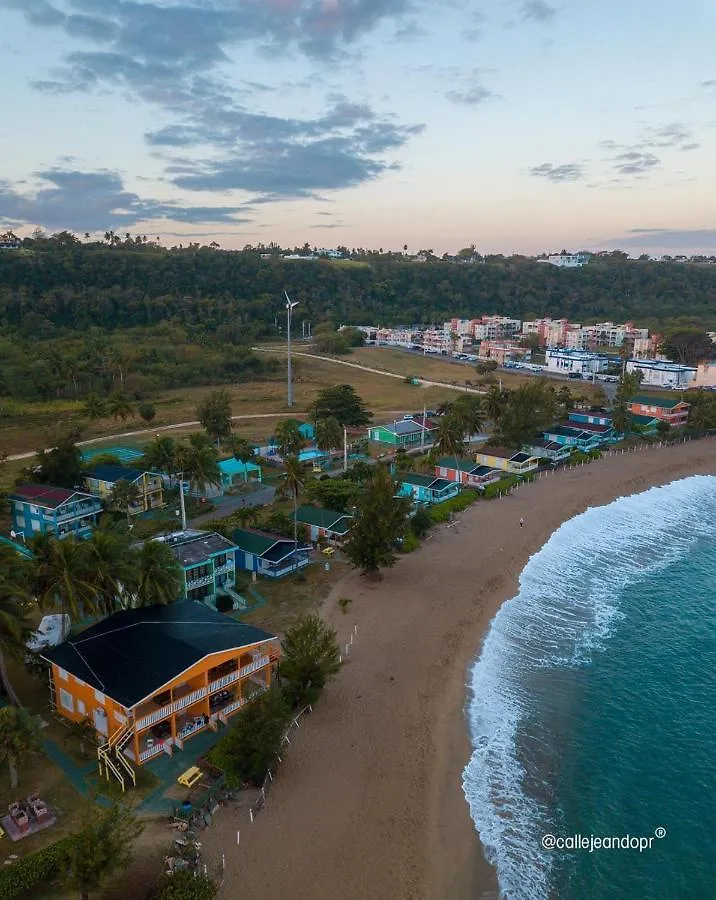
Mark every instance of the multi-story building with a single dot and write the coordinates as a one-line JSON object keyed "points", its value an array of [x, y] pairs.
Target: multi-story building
{"points": [[550, 332], [397, 337], [501, 351], [149, 679], [582, 362], [100, 480], [43, 509], [672, 411], [567, 260], [208, 564], [10, 241], [660, 373], [493, 328]]}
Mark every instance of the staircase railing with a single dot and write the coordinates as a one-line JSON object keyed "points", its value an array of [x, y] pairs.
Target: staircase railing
{"points": [[111, 756]]}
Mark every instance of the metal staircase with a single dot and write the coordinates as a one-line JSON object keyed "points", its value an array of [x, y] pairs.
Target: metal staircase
{"points": [[112, 760]]}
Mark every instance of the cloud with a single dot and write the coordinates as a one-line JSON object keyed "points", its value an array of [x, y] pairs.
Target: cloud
{"points": [[709, 84], [558, 173], [97, 201], [471, 96], [537, 11], [635, 162], [669, 238]]}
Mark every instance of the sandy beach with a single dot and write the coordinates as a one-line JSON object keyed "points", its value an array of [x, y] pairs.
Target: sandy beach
{"points": [[368, 801]]}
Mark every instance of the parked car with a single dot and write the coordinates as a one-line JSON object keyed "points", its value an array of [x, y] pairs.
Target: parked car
{"points": [[575, 375]]}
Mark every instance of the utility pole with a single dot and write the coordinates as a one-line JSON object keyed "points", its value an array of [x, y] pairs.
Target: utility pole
{"points": [[422, 433], [181, 501], [345, 449], [290, 305]]}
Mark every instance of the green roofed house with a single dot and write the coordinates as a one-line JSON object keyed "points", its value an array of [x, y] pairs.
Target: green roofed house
{"points": [[404, 432], [268, 554], [234, 470], [466, 472], [645, 424], [672, 410], [324, 523], [426, 488]]}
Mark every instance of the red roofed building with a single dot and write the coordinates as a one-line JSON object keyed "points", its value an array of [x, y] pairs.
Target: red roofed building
{"points": [[44, 509]]}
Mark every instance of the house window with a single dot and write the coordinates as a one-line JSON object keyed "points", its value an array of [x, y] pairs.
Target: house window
{"points": [[20, 521], [81, 708], [61, 674], [66, 700], [99, 696], [35, 525]]}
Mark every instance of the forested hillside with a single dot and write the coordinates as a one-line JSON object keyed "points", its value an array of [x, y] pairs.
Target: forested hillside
{"points": [[236, 295]]}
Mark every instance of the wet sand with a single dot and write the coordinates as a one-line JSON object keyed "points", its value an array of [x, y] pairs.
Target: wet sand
{"points": [[368, 800]]}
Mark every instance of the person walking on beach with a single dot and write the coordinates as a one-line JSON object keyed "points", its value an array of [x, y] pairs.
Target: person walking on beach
{"points": [[522, 523]]}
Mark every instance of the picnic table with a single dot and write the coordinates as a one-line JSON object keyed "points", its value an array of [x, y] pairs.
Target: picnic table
{"points": [[190, 777]]}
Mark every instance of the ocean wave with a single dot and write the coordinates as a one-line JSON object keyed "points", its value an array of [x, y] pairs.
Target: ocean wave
{"points": [[566, 608]]}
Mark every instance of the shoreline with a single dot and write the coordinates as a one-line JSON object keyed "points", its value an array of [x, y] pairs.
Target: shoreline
{"points": [[368, 801]]}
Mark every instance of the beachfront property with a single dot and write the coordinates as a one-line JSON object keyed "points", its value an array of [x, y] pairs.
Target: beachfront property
{"points": [[43, 509], [149, 679], [575, 438], [208, 564], [672, 411], [100, 480], [426, 489], [553, 452], [233, 470], [580, 417], [268, 554], [660, 373], [581, 362], [324, 524], [466, 472], [515, 462], [645, 424], [404, 432]]}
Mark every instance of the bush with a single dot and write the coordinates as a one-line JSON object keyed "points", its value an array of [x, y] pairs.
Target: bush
{"points": [[443, 511], [410, 543], [224, 603], [185, 885], [499, 487], [30, 872], [421, 523]]}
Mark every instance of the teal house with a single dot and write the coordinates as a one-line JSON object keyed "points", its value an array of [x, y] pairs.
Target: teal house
{"points": [[208, 561], [426, 488], [575, 438], [404, 432], [550, 450], [234, 470], [324, 524], [43, 509]]}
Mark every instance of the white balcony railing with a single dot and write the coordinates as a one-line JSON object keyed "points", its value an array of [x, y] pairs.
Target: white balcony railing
{"points": [[227, 567], [231, 707], [239, 673], [183, 702], [200, 582], [151, 751], [80, 512]]}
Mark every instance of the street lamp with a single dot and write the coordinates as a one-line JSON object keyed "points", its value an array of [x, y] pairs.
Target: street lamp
{"points": [[290, 305]]}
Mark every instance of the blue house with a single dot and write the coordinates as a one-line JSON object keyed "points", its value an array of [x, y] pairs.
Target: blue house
{"points": [[573, 437], [580, 417], [269, 555], [426, 488], [43, 509], [549, 450], [208, 563]]}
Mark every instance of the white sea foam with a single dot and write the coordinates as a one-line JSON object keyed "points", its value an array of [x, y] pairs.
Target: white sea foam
{"points": [[567, 604]]}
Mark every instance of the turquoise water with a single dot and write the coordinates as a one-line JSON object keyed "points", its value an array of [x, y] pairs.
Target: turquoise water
{"points": [[593, 707], [124, 454]]}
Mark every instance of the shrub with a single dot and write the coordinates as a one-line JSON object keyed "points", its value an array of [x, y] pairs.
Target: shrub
{"points": [[310, 656], [224, 603], [443, 511], [499, 487], [30, 872], [421, 523], [344, 603], [410, 543], [185, 885]]}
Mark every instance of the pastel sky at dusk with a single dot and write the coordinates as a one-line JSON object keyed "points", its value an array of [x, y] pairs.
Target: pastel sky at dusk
{"points": [[520, 125]]}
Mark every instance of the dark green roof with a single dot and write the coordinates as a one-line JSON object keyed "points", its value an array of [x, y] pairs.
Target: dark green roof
{"points": [[324, 518], [134, 653], [644, 420], [256, 542], [427, 481], [661, 402], [462, 465]]}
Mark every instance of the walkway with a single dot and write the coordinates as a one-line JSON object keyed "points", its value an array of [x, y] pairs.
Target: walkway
{"points": [[77, 776]]}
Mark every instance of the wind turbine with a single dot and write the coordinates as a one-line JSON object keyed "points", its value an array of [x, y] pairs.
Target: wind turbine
{"points": [[290, 305]]}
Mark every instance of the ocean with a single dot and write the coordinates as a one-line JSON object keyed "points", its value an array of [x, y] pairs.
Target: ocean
{"points": [[592, 708]]}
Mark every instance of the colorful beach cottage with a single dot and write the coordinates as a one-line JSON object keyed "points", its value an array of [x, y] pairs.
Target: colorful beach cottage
{"points": [[233, 470], [515, 462], [549, 450], [466, 472], [574, 438], [100, 480], [268, 554], [324, 524], [404, 432], [208, 564], [426, 489], [43, 509], [673, 411], [150, 679]]}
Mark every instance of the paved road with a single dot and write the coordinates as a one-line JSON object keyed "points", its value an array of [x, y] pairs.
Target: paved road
{"points": [[225, 506]]}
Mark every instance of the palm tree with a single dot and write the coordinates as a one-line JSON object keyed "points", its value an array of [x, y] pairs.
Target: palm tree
{"points": [[495, 402], [450, 437], [109, 566], [119, 406], [288, 437], [295, 479], [158, 576], [95, 407], [201, 466], [19, 737], [404, 462], [467, 410], [240, 448], [62, 577], [247, 515], [124, 494], [329, 434], [160, 453], [14, 627], [82, 731]]}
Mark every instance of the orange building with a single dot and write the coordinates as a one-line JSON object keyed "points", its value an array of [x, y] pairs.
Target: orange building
{"points": [[149, 679], [671, 410]]}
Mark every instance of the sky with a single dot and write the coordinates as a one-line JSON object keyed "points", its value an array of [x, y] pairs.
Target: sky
{"points": [[517, 125]]}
